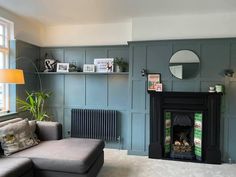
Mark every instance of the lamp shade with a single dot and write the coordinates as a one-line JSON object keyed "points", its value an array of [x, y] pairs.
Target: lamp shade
{"points": [[12, 76]]}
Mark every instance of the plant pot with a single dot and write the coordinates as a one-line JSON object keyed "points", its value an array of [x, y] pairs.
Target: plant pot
{"points": [[119, 68]]}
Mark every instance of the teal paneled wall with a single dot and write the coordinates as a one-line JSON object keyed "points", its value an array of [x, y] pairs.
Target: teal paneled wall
{"points": [[127, 93], [26, 56], [215, 56], [88, 91]]}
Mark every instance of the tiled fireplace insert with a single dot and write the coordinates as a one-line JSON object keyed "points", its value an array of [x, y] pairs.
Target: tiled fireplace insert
{"points": [[185, 126]]}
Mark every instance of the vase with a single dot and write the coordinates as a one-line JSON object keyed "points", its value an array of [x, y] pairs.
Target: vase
{"points": [[118, 69]]}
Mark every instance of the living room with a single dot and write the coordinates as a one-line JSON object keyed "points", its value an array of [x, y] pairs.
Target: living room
{"points": [[146, 35]]}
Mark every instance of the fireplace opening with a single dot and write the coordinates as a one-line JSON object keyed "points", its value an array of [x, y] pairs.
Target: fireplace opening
{"points": [[182, 141], [181, 134]]}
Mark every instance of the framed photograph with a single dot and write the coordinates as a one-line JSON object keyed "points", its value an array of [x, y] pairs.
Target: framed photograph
{"points": [[62, 67], [89, 68], [159, 87], [154, 82], [104, 65]]}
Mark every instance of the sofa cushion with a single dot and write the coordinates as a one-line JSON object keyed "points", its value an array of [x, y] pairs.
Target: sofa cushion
{"points": [[32, 125], [16, 136], [10, 121], [73, 155], [3, 123], [14, 167], [48, 130]]}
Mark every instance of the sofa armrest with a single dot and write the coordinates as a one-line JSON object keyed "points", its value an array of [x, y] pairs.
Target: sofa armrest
{"points": [[49, 130]]}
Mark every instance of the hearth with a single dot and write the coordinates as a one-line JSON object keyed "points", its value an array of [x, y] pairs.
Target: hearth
{"points": [[185, 126]]}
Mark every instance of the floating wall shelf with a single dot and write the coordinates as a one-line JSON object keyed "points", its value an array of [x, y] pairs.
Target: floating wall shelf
{"points": [[82, 73]]}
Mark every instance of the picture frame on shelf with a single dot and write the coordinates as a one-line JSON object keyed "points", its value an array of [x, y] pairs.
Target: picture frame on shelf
{"points": [[89, 68], [154, 82], [63, 67], [104, 65], [159, 87]]}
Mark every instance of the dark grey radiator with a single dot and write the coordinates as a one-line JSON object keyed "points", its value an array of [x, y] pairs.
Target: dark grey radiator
{"points": [[91, 123]]}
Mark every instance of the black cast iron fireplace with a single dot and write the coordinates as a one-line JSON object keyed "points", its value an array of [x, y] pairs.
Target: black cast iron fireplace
{"points": [[185, 126]]}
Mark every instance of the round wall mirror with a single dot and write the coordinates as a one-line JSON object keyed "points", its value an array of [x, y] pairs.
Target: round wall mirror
{"points": [[184, 64]]}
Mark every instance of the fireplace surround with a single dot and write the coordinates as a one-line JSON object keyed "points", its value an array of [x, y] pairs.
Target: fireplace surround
{"points": [[185, 126]]}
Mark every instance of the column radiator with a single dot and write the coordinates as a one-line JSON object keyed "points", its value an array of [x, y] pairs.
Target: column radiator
{"points": [[91, 123]]}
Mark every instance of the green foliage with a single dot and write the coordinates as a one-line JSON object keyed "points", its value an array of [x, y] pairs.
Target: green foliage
{"points": [[34, 103], [120, 62]]}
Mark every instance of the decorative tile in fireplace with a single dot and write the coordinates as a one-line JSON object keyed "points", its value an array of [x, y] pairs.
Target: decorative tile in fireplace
{"points": [[185, 126]]}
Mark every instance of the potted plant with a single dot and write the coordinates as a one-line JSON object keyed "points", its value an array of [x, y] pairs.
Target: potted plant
{"points": [[34, 103], [120, 64]]}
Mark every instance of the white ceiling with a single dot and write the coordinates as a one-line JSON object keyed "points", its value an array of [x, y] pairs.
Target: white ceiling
{"points": [[61, 12]]}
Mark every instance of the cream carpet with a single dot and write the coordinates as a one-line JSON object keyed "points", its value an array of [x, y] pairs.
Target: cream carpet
{"points": [[119, 164]]}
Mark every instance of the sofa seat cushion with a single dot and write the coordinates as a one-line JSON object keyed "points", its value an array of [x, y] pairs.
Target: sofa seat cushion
{"points": [[73, 155], [14, 167]]}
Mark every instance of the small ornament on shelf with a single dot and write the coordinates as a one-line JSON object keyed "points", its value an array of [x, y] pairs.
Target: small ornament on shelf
{"points": [[90, 68], [159, 87], [211, 89], [120, 64], [49, 63]]}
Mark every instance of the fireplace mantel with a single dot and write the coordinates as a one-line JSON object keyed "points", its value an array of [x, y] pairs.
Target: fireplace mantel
{"points": [[208, 103]]}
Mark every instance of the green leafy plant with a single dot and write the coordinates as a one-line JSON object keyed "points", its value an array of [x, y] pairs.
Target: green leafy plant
{"points": [[119, 61], [34, 103]]}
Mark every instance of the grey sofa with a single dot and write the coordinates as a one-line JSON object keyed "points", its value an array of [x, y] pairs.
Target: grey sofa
{"points": [[54, 156]]}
